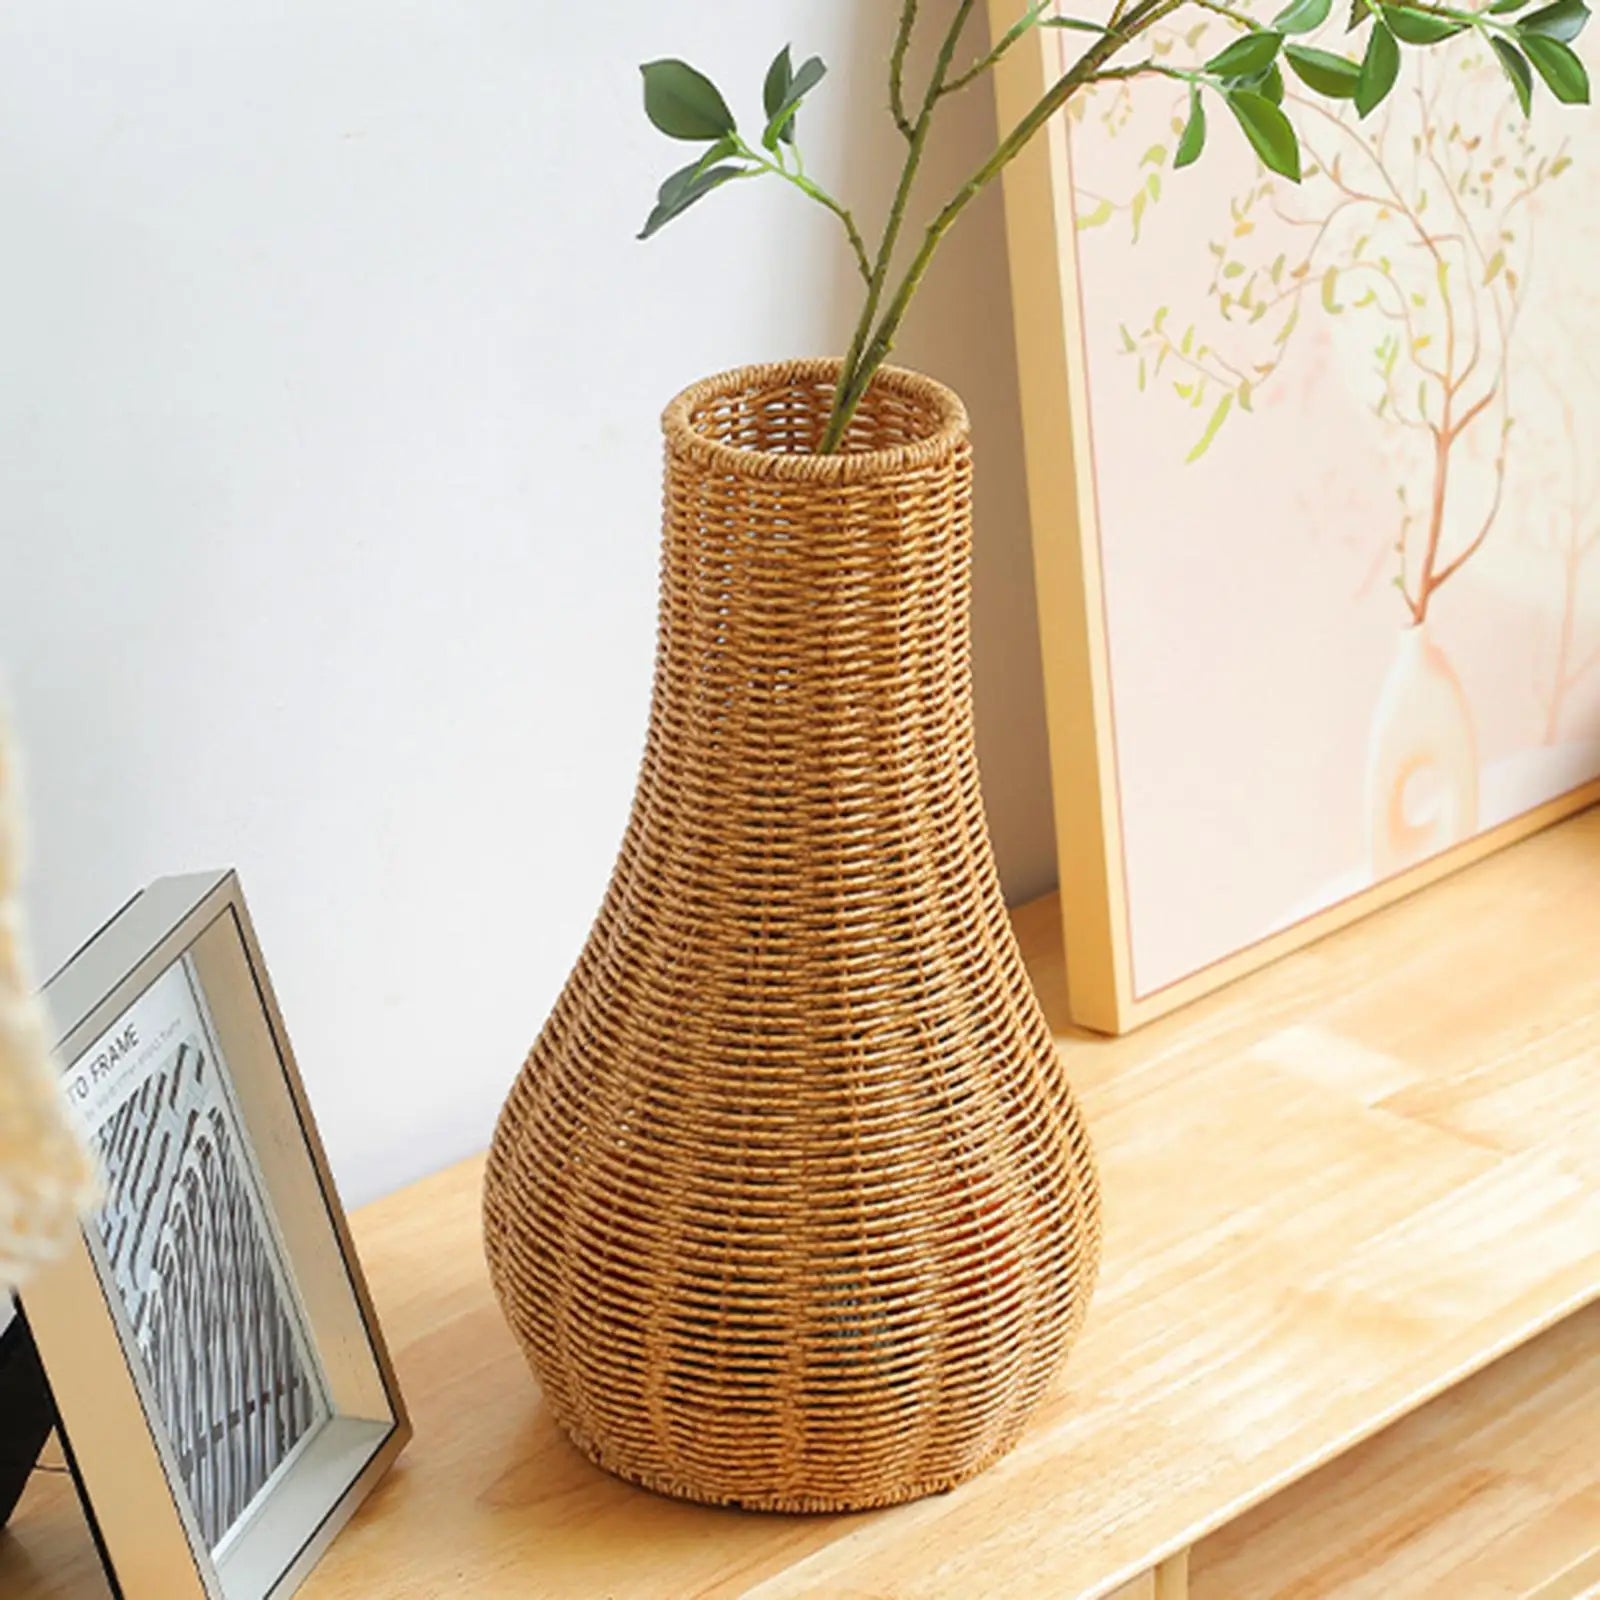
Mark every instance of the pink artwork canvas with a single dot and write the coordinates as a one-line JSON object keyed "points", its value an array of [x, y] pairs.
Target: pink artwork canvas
{"points": [[1342, 485]]}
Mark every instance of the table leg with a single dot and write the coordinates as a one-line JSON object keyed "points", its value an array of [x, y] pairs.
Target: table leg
{"points": [[1169, 1581]]}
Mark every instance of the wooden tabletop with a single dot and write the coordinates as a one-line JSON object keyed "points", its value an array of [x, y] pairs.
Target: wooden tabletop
{"points": [[1333, 1191]]}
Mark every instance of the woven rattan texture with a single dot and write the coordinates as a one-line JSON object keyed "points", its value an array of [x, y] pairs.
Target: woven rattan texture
{"points": [[791, 1205]]}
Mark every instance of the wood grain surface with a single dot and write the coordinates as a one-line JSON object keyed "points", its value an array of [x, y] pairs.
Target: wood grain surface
{"points": [[1334, 1191], [1493, 1490]]}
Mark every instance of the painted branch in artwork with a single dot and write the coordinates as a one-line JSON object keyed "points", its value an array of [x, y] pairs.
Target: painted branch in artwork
{"points": [[1418, 230], [1246, 77]]}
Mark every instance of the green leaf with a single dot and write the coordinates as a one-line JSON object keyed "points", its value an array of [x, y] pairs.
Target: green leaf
{"points": [[1218, 417], [780, 123], [1246, 56], [1268, 130], [684, 178], [1411, 26], [683, 189], [1077, 24], [779, 76], [1324, 72], [683, 103], [1380, 66], [711, 155], [1193, 140], [1268, 83], [1501, 7], [1564, 20], [1517, 70], [1302, 16], [1560, 68]]}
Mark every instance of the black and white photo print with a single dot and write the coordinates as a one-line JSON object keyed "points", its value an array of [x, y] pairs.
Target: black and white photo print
{"points": [[191, 1250]]}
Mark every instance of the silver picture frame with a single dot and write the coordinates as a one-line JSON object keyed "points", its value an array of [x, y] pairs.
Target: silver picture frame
{"points": [[209, 1341]]}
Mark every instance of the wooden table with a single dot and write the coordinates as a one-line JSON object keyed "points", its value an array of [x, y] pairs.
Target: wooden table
{"points": [[1361, 1181]]}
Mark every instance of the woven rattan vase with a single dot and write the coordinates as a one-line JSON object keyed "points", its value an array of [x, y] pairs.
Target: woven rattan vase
{"points": [[791, 1205]]}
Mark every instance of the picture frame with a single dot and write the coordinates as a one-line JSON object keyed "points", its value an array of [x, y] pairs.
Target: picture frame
{"points": [[221, 1384], [1066, 423]]}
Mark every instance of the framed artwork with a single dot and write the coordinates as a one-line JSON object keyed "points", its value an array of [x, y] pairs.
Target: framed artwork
{"points": [[1314, 503], [210, 1350]]}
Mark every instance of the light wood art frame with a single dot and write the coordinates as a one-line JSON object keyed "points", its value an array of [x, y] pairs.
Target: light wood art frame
{"points": [[103, 1394], [1041, 238]]}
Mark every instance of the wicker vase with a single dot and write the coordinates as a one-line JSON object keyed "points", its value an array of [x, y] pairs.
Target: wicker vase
{"points": [[791, 1205]]}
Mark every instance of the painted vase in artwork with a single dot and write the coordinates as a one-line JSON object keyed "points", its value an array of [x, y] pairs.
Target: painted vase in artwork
{"points": [[1422, 759]]}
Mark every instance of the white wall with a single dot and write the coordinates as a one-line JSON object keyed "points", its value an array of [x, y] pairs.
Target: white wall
{"points": [[328, 480]]}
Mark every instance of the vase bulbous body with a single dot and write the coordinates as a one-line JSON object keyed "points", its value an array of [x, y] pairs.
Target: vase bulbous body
{"points": [[791, 1205]]}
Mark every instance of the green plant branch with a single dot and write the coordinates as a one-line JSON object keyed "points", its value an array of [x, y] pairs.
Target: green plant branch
{"points": [[1021, 26], [1480, 21], [813, 191], [897, 67], [1228, 12], [869, 350], [895, 222], [1247, 76], [1145, 69], [852, 232]]}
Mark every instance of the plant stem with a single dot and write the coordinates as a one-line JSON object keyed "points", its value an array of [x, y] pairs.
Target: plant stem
{"points": [[813, 191], [918, 139], [1009, 38], [852, 232], [875, 335], [1143, 69], [1228, 12], [897, 67]]}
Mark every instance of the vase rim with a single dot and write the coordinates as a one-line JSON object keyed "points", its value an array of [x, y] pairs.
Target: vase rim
{"points": [[947, 432]]}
